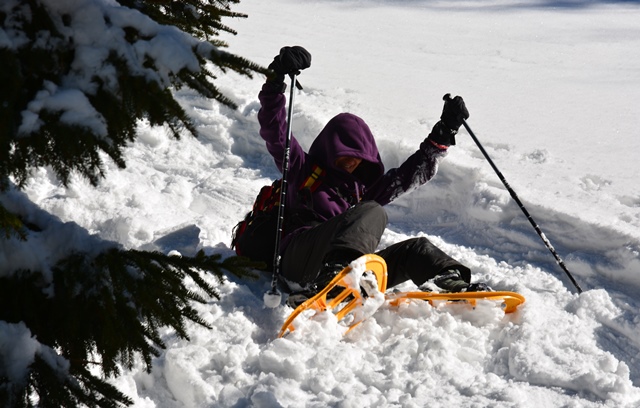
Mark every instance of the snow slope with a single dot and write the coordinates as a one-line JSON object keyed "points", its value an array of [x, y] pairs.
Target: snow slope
{"points": [[552, 88]]}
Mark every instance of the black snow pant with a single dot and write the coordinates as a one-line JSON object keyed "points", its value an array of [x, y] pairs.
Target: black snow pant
{"points": [[356, 232]]}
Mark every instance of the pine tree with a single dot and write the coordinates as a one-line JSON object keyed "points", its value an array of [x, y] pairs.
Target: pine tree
{"points": [[47, 71], [107, 310], [76, 77]]}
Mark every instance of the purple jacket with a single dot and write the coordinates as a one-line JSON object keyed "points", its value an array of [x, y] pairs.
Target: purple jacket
{"points": [[344, 135]]}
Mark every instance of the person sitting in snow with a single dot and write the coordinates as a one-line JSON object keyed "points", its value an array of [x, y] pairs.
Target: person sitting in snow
{"points": [[343, 218]]}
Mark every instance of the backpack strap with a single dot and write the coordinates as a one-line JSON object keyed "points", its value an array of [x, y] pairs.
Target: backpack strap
{"points": [[269, 198], [310, 185], [315, 179]]}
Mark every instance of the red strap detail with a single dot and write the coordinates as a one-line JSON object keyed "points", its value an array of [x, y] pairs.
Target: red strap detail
{"points": [[439, 146]]}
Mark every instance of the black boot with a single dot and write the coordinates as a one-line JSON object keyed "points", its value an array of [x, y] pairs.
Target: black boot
{"points": [[479, 287], [326, 275], [451, 281]]}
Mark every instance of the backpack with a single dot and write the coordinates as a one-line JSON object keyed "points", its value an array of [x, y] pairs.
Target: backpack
{"points": [[254, 236]]}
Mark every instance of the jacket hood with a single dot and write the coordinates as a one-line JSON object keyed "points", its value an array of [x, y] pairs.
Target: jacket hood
{"points": [[348, 135]]}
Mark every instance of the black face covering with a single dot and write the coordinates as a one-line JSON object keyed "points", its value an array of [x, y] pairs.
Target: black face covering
{"points": [[367, 173]]}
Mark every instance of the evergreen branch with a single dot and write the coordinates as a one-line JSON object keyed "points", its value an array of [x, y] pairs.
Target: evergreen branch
{"points": [[46, 148], [11, 225], [59, 388], [119, 301], [238, 265], [79, 388], [200, 18], [136, 87]]}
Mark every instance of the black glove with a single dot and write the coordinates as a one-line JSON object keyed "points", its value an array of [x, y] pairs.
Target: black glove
{"points": [[290, 61], [454, 112], [442, 136]]}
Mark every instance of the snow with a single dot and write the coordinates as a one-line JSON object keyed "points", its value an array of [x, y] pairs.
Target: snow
{"points": [[552, 88], [17, 349]]}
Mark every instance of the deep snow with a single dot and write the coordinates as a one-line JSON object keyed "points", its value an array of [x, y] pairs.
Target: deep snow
{"points": [[552, 89]]}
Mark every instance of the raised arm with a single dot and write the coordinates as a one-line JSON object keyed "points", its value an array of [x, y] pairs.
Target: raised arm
{"points": [[272, 115], [422, 165]]}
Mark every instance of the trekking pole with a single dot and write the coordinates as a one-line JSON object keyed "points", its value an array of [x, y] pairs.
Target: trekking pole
{"points": [[517, 200], [272, 297]]}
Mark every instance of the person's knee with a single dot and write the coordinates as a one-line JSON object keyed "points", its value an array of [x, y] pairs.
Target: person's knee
{"points": [[373, 211], [419, 244], [360, 228]]}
